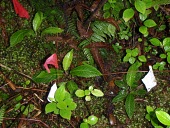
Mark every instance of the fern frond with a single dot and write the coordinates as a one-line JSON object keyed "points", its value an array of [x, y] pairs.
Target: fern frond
{"points": [[88, 55], [2, 112]]}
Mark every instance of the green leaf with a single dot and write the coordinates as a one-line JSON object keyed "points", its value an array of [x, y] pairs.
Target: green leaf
{"points": [[168, 59], [72, 86], [149, 109], [60, 93], [155, 42], [163, 56], [111, 29], [85, 71], [126, 58], [80, 93], [66, 114], [50, 107], [166, 44], [97, 93], [132, 60], [67, 60], [87, 98], [84, 125], [120, 84], [28, 109], [71, 105], [163, 117], [128, 14], [87, 92], [149, 23], [135, 52], [140, 6], [62, 105], [19, 35], [130, 105], [132, 72], [38, 18], [92, 120], [45, 77], [142, 58], [51, 30], [120, 97], [143, 29]]}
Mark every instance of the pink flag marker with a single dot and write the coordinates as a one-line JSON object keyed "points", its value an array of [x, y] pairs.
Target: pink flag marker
{"points": [[20, 10], [51, 60]]}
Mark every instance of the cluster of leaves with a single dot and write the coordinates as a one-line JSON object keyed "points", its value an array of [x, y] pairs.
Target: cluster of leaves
{"points": [[86, 93], [158, 117], [62, 104], [91, 120], [128, 89]]}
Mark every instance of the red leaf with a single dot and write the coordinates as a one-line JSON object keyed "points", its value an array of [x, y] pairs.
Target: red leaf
{"points": [[51, 60], [20, 10]]}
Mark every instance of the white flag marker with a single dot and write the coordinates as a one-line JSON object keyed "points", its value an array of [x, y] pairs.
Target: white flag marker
{"points": [[149, 80], [51, 94]]}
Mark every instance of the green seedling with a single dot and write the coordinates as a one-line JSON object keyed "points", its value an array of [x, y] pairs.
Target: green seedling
{"points": [[131, 56], [128, 89], [91, 120], [158, 117], [86, 93], [62, 103]]}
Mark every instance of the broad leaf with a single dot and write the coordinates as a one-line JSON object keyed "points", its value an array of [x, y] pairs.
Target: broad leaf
{"points": [[97, 93], [130, 105], [143, 29], [132, 72], [60, 94], [140, 6], [163, 117], [38, 18], [51, 30], [62, 105], [120, 97], [149, 23], [80, 93], [66, 114], [142, 58], [67, 60], [92, 120], [128, 14], [19, 35], [155, 42], [149, 109], [166, 44], [84, 125], [50, 107], [45, 77], [85, 71]]}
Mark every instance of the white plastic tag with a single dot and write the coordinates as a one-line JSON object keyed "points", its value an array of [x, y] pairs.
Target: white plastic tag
{"points": [[51, 94], [149, 80]]}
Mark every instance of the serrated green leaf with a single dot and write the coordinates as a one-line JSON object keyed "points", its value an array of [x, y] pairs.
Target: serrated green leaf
{"points": [[149, 23], [140, 6], [45, 77], [130, 105], [163, 117], [67, 60], [66, 114], [132, 72], [50, 107], [38, 18], [19, 35], [128, 14], [60, 94], [155, 42], [97, 38], [72, 86], [97, 93], [120, 97], [51, 30], [80, 93], [85, 71]]}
